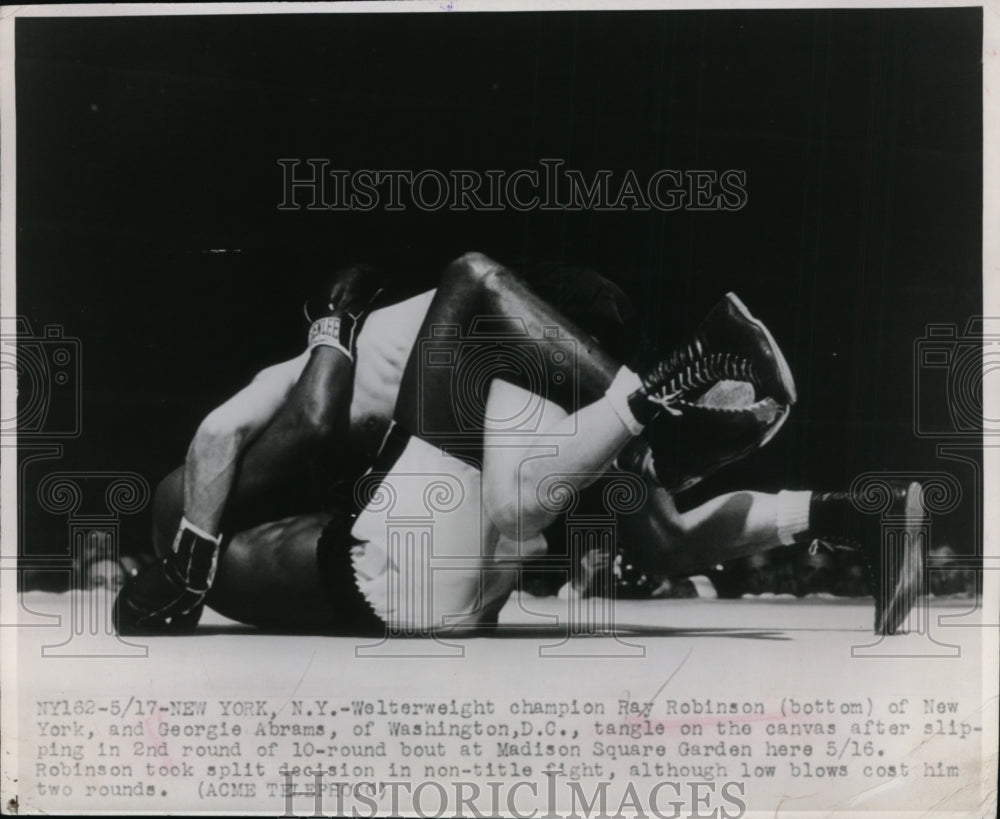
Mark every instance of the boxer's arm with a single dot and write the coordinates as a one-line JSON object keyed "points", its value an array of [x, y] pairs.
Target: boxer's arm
{"points": [[212, 458], [577, 447]]}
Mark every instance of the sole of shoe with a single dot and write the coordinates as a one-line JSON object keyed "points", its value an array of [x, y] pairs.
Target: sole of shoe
{"points": [[787, 381], [909, 583]]}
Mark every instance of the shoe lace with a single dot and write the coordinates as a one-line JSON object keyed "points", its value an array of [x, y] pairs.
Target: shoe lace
{"points": [[690, 369], [831, 546]]}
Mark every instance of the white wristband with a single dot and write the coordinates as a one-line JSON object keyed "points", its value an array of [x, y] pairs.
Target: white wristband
{"points": [[325, 332], [186, 524], [626, 382]]}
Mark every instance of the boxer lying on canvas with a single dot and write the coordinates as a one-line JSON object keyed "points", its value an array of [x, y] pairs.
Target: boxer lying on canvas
{"points": [[483, 408]]}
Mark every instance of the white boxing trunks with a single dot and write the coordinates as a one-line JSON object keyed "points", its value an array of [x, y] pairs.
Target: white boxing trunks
{"points": [[429, 557]]}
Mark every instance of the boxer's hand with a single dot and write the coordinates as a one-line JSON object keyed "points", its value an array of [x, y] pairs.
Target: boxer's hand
{"points": [[351, 291], [168, 596], [338, 316], [159, 600], [354, 289]]}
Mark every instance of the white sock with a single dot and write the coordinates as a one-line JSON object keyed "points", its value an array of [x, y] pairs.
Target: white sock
{"points": [[793, 515], [624, 384]]}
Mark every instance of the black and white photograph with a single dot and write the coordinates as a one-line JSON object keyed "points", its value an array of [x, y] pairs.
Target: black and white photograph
{"points": [[499, 409]]}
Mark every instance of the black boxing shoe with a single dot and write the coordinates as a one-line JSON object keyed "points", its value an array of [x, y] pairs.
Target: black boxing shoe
{"points": [[680, 450], [712, 401], [895, 564], [730, 344], [815, 570]]}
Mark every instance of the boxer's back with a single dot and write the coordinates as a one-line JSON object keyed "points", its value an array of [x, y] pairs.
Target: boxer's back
{"points": [[384, 346]]}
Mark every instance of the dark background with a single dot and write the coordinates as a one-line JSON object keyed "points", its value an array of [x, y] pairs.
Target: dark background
{"points": [[147, 145]]}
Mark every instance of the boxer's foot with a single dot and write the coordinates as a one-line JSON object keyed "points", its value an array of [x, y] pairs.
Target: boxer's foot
{"points": [[731, 345], [168, 596], [713, 400], [337, 315], [895, 563]]}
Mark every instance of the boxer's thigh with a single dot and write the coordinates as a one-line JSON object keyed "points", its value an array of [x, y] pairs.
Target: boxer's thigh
{"points": [[268, 576], [485, 322]]}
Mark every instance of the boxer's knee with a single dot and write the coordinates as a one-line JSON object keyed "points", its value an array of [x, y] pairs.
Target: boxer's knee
{"points": [[473, 265], [471, 271]]}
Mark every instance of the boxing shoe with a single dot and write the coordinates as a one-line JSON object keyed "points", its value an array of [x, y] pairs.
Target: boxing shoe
{"points": [[680, 450], [895, 564], [337, 314], [711, 401], [168, 597], [730, 344], [815, 571]]}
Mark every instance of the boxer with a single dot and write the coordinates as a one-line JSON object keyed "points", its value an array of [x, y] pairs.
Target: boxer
{"points": [[331, 568]]}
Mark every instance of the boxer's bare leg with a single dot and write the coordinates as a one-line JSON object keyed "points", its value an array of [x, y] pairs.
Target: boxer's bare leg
{"points": [[474, 287], [441, 411], [277, 474], [729, 526], [477, 295]]}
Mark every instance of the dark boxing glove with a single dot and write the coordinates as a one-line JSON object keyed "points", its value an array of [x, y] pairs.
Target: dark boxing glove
{"points": [[168, 596], [336, 318]]}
